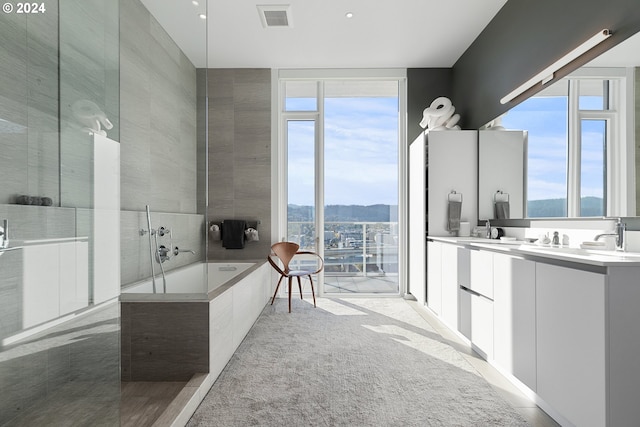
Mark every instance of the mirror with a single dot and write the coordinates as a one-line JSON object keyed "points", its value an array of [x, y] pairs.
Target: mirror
{"points": [[593, 177], [502, 158]]}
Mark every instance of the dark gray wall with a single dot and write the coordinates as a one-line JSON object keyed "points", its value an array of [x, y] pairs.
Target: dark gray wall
{"points": [[423, 86], [240, 155], [525, 37]]}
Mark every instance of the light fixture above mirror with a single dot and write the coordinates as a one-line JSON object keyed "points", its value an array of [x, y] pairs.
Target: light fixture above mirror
{"points": [[547, 74]]}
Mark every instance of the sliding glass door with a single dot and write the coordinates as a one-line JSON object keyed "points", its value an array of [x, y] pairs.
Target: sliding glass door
{"points": [[342, 156]]}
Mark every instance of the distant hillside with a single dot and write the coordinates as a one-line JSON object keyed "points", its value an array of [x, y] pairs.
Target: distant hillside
{"points": [[591, 206], [347, 213]]}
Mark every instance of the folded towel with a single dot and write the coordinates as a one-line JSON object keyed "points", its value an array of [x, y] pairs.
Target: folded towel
{"points": [[453, 215], [501, 210], [233, 233]]}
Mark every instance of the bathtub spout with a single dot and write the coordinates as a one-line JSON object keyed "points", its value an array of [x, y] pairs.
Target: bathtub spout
{"points": [[177, 250]]}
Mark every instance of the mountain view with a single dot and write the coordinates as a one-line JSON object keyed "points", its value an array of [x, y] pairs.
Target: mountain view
{"points": [[346, 213]]}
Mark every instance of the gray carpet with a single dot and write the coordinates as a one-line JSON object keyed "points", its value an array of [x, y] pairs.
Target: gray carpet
{"points": [[349, 362]]}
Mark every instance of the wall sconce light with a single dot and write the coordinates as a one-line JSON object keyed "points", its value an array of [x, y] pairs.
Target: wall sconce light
{"points": [[546, 75]]}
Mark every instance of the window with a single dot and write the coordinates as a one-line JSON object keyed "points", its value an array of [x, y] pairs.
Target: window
{"points": [[342, 170], [570, 130]]}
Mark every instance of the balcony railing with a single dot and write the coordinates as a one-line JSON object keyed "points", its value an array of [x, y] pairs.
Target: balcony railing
{"points": [[352, 248]]}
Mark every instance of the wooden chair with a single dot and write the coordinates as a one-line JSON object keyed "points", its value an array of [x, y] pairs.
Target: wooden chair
{"points": [[285, 251]]}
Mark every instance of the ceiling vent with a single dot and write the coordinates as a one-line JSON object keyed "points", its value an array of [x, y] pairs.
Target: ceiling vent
{"points": [[275, 16]]}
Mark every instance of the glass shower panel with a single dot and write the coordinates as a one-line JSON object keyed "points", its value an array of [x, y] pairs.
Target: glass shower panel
{"points": [[59, 348]]}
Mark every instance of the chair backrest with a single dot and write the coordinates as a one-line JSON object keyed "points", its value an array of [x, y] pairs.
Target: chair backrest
{"points": [[285, 251]]}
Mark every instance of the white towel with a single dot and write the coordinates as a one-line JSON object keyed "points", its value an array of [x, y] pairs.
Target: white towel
{"points": [[251, 235], [214, 232]]}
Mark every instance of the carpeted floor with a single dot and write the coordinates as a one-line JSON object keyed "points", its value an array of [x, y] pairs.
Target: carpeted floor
{"points": [[349, 362]]}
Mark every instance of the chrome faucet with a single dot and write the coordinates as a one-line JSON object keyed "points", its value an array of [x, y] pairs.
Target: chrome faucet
{"points": [[487, 230], [177, 250], [619, 234]]}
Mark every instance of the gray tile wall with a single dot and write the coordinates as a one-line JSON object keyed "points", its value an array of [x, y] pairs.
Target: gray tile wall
{"points": [[187, 233], [158, 117], [240, 155], [159, 144]]}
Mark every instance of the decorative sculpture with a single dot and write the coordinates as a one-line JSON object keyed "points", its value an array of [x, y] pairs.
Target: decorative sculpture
{"points": [[90, 116], [440, 115]]}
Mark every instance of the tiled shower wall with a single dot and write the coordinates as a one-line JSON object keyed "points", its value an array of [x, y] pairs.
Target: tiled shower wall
{"points": [[240, 155], [159, 143]]}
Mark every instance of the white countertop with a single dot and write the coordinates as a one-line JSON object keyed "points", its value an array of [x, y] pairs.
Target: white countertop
{"points": [[601, 258]]}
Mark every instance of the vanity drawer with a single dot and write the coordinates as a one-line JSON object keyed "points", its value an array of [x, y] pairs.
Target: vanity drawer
{"points": [[481, 277]]}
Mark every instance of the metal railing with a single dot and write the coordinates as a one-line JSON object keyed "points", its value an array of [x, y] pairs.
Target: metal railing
{"points": [[352, 247]]}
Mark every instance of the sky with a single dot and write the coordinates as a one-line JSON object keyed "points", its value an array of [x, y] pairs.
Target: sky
{"points": [[546, 120], [361, 150], [360, 153]]}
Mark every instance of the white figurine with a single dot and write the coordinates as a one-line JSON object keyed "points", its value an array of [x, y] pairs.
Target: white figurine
{"points": [[90, 116]]}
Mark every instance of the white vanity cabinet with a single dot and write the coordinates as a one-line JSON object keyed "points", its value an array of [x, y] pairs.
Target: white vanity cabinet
{"points": [[568, 330], [455, 269], [439, 162], [571, 349], [434, 276], [476, 302], [514, 317]]}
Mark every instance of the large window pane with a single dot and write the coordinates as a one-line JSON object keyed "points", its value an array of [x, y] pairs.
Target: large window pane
{"points": [[301, 183], [545, 117], [593, 94], [361, 186], [592, 167], [301, 96]]}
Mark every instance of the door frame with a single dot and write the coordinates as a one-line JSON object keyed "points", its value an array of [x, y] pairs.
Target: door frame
{"points": [[279, 154]]}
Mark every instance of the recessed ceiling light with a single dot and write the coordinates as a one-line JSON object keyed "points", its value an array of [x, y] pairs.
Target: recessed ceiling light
{"points": [[349, 15], [203, 16]]}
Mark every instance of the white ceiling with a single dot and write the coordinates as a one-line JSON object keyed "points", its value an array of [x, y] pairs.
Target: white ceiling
{"points": [[381, 34]]}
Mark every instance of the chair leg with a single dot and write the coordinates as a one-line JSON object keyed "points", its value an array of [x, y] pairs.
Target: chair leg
{"points": [[312, 291], [290, 279], [300, 286], [276, 292]]}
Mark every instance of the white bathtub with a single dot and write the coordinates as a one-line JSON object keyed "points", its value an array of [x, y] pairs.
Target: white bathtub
{"points": [[190, 279]]}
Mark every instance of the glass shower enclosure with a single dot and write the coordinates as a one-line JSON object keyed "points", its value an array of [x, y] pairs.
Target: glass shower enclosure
{"points": [[59, 207]]}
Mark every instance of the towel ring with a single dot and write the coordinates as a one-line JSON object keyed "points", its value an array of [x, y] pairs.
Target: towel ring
{"points": [[451, 196], [500, 193]]}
